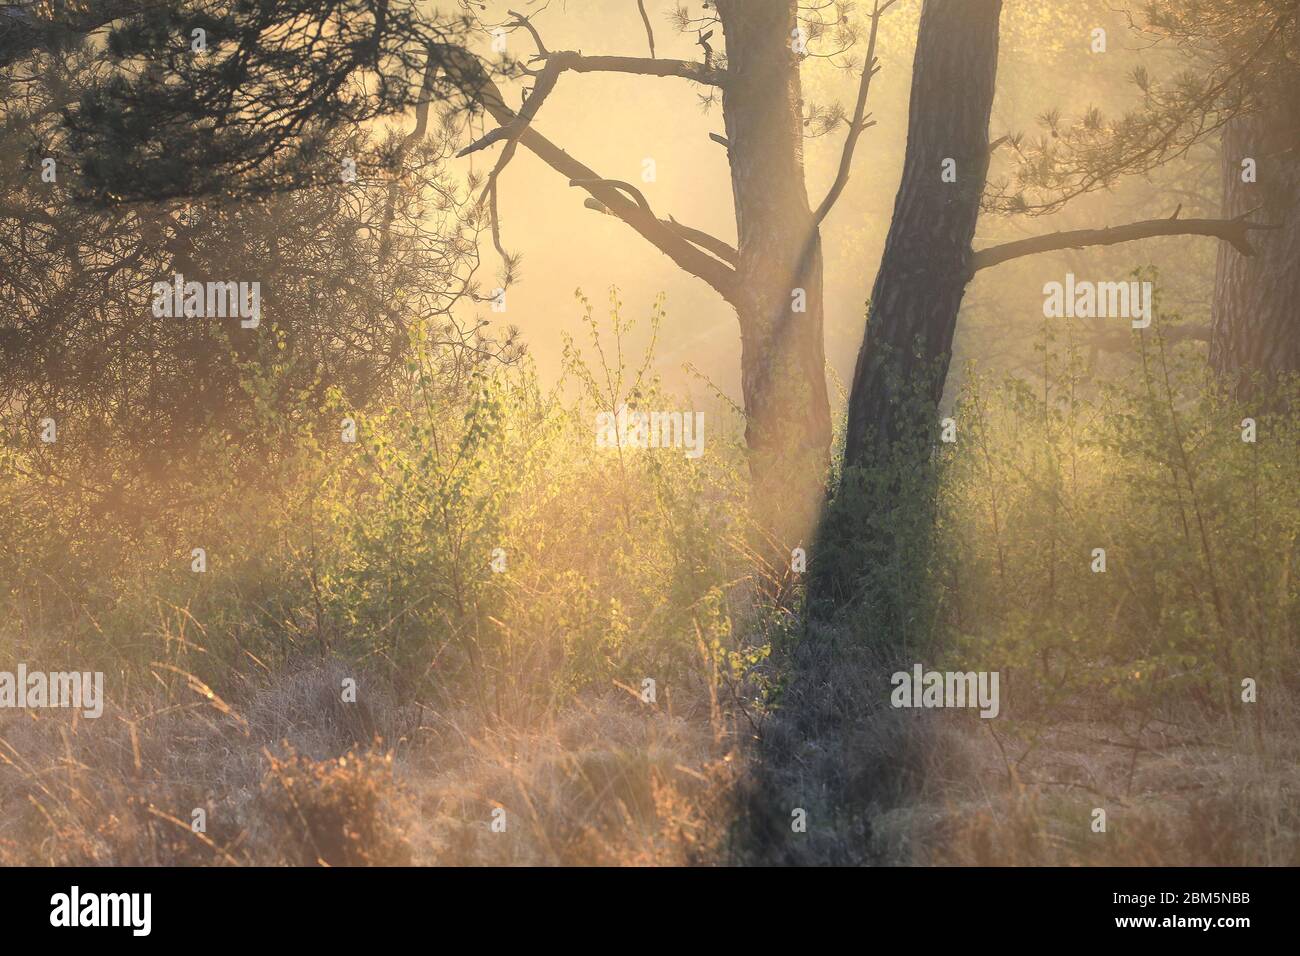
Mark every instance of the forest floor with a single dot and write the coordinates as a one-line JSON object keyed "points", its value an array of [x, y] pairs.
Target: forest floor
{"points": [[614, 781], [900, 787]]}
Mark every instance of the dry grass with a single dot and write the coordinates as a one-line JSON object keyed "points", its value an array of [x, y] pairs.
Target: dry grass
{"points": [[291, 775], [934, 787]]}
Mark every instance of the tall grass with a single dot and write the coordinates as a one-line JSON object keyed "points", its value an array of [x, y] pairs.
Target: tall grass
{"points": [[472, 561], [1199, 527], [1128, 689], [573, 635]]}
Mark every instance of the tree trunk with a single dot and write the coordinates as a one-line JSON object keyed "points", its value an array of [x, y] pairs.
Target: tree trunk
{"points": [[779, 297], [873, 546], [1255, 327], [777, 287], [926, 266]]}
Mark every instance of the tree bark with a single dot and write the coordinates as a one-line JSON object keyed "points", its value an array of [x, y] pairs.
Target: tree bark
{"points": [[783, 361], [928, 257], [872, 548], [1255, 328], [875, 538]]}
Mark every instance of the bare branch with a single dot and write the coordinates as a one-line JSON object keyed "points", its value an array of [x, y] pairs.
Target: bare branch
{"points": [[522, 21], [541, 89], [617, 184], [649, 33], [703, 41], [483, 142], [465, 70], [1235, 231], [859, 122], [722, 250], [705, 241], [638, 65]]}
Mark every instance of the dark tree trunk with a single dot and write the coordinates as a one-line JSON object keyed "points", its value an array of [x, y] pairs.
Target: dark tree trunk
{"points": [[872, 549], [1256, 298], [927, 261], [783, 375]]}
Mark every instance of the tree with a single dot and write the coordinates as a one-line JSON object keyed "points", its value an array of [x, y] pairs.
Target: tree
{"points": [[350, 276], [251, 114], [1241, 85], [928, 256], [929, 260], [1255, 81], [772, 277]]}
